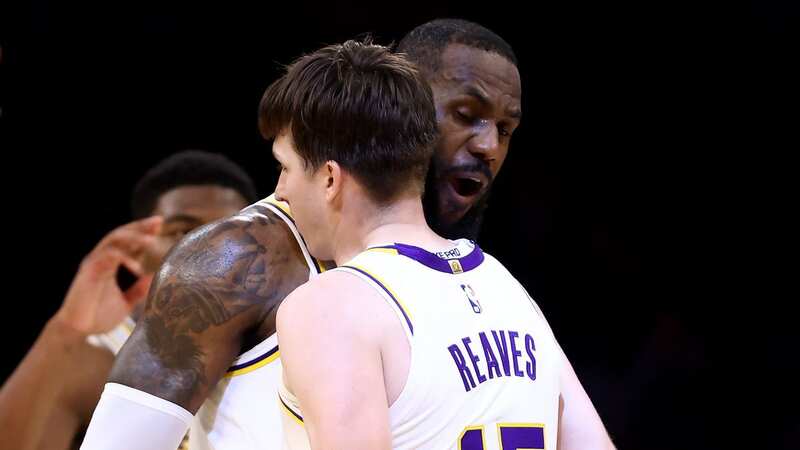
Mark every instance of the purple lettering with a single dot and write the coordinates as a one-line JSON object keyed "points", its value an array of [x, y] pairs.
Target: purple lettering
{"points": [[530, 367], [512, 336], [491, 360], [461, 365], [502, 349], [474, 360]]}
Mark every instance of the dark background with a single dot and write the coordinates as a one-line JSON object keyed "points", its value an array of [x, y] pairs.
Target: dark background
{"points": [[640, 158]]}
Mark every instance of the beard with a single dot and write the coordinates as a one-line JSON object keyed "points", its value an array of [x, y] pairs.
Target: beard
{"points": [[468, 226]]}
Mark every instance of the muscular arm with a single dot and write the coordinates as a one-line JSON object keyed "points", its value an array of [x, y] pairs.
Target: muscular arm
{"points": [[579, 425], [217, 287], [54, 389], [333, 364]]}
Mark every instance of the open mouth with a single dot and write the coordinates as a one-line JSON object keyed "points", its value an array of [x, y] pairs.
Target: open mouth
{"points": [[467, 186]]}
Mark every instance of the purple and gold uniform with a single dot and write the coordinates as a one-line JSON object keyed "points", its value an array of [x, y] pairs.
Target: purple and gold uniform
{"points": [[485, 365]]}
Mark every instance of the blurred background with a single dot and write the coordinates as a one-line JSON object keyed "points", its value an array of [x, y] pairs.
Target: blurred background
{"points": [[640, 157]]}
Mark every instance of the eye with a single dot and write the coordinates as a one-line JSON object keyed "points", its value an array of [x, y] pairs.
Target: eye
{"points": [[505, 128], [464, 116]]}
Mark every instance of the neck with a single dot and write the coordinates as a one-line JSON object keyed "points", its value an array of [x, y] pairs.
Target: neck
{"points": [[365, 225]]}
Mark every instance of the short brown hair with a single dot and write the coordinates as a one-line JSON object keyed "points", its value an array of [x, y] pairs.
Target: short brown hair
{"points": [[358, 104]]}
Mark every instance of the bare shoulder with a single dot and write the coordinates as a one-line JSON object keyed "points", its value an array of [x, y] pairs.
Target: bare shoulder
{"points": [[250, 260], [336, 302], [216, 294]]}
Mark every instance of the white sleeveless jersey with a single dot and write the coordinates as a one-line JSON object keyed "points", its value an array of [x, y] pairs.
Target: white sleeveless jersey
{"points": [[484, 363], [242, 412]]}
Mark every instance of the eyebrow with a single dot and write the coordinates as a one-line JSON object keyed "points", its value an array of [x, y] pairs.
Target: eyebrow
{"points": [[479, 95]]}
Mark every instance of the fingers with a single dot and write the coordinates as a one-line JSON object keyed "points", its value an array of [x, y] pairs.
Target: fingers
{"points": [[123, 245], [138, 292], [128, 240], [105, 263], [149, 225], [133, 264], [133, 237]]}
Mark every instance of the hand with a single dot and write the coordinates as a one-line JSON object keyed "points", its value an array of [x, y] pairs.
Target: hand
{"points": [[95, 303]]}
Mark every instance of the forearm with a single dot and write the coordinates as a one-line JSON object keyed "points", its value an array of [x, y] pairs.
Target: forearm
{"points": [[579, 425], [589, 437], [586, 440], [361, 439], [151, 423], [179, 367], [36, 387]]}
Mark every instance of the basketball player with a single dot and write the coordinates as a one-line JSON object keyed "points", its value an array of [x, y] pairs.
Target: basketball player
{"points": [[477, 92], [413, 341], [49, 399], [228, 279]]}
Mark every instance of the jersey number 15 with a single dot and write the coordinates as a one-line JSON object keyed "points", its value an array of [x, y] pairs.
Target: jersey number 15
{"points": [[512, 436]]}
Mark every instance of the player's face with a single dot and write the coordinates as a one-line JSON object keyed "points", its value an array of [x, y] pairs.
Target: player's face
{"points": [[187, 207], [304, 190], [478, 106]]}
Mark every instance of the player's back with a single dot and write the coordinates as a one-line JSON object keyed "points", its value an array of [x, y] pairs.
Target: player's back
{"points": [[484, 363]]}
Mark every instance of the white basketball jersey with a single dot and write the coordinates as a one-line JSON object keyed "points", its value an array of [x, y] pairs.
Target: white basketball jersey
{"points": [[484, 363], [242, 412]]}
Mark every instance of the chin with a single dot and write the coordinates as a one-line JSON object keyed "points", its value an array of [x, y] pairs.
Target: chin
{"points": [[455, 225]]}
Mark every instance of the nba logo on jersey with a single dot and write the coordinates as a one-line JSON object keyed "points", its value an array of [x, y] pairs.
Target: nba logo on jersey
{"points": [[473, 299]]}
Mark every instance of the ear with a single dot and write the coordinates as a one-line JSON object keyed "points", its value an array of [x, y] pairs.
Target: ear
{"points": [[333, 179]]}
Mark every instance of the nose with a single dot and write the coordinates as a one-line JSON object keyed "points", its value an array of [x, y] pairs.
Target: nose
{"points": [[485, 144], [279, 191]]}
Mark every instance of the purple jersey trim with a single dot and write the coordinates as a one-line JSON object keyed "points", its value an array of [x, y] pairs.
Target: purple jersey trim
{"points": [[428, 259], [250, 363], [408, 321], [298, 416]]}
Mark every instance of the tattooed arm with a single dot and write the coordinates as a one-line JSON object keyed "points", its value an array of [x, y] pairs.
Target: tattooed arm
{"points": [[217, 292]]}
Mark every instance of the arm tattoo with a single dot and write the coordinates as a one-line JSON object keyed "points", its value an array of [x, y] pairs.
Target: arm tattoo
{"points": [[221, 276]]}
